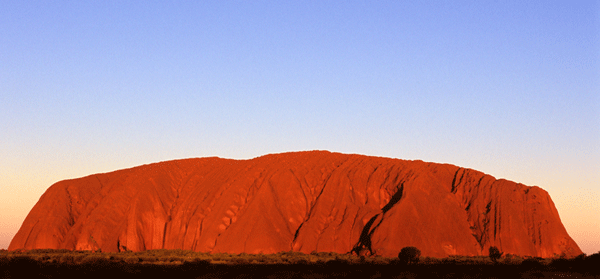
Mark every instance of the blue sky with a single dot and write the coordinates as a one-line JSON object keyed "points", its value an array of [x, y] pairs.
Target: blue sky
{"points": [[508, 88]]}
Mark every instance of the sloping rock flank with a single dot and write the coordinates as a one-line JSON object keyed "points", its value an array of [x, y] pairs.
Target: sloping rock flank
{"points": [[301, 201]]}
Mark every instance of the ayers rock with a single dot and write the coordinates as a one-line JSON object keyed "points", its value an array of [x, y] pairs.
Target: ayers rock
{"points": [[300, 201]]}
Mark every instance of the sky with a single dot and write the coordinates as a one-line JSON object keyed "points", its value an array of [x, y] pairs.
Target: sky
{"points": [[509, 88]]}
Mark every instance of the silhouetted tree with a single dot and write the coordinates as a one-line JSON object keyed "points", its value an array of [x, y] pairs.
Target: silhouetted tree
{"points": [[494, 253], [409, 255]]}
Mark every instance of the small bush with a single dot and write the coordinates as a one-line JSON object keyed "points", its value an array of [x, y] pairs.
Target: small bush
{"points": [[494, 253], [148, 259], [240, 261], [94, 260], [409, 255], [67, 259], [132, 260]]}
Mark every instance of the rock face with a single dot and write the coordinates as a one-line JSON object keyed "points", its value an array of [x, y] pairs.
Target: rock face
{"points": [[301, 201]]}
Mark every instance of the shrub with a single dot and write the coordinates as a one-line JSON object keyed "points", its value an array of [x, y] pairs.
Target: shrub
{"points": [[94, 260], [240, 261], [494, 253], [409, 255], [67, 259], [149, 259], [132, 260]]}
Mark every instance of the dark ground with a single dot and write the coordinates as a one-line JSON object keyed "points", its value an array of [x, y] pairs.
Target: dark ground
{"points": [[25, 267]]}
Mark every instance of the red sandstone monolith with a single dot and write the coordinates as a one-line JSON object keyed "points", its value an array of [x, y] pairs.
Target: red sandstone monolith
{"points": [[301, 201]]}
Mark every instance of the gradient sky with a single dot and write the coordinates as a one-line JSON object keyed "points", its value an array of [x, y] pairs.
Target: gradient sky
{"points": [[510, 88]]}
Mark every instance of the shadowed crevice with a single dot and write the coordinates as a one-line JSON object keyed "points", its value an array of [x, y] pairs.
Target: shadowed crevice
{"points": [[454, 183], [394, 200], [296, 234], [364, 241]]}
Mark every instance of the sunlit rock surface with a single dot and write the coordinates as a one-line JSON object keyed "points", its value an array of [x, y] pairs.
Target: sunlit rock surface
{"points": [[301, 201]]}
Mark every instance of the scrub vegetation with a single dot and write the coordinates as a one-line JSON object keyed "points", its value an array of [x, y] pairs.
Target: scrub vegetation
{"points": [[188, 264]]}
